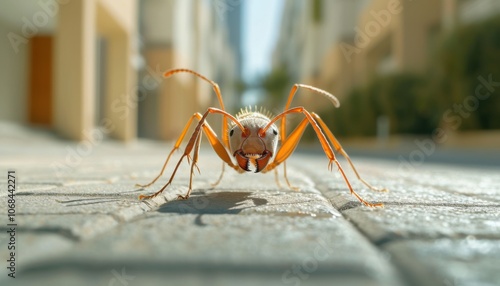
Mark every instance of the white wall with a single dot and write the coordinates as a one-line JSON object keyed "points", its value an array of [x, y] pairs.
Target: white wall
{"points": [[13, 78]]}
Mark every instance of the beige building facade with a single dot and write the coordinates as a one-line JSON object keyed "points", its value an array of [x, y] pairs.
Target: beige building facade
{"points": [[83, 67], [183, 34], [52, 44], [367, 38]]}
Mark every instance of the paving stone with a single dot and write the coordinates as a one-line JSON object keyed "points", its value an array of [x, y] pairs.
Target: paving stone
{"points": [[254, 202], [68, 204], [116, 274], [212, 246], [449, 262], [72, 226], [33, 249], [86, 226], [441, 224], [34, 187], [414, 210], [84, 189], [429, 222], [482, 184]]}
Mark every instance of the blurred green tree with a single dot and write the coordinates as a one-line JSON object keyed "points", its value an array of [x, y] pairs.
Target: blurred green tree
{"points": [[418, 103], [470, 52], [276, 84], [394, 96]]}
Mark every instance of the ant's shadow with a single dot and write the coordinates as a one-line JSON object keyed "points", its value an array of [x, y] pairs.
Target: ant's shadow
{"points": [[213, 203]]}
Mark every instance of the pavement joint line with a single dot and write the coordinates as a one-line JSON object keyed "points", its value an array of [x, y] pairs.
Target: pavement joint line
{"points": [[377, 245], [386, 240], [87, 195], [414, 272], [486, 198], [64, 232], [131, 212], [119, 216], [380, 244], [452, 198]]}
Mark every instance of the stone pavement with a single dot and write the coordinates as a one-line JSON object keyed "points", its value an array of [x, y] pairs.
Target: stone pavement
{"points": [[79, 221]]}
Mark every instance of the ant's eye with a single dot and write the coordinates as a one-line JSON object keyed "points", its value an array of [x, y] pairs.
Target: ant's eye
{"points": [[275, 132], [231, 132]]}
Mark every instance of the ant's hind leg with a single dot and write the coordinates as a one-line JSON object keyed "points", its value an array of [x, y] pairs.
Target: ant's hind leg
{"points": [[214, 184], [342, 152]]}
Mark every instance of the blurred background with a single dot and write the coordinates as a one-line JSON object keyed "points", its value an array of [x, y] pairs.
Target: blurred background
{"points": [[400, 68]]}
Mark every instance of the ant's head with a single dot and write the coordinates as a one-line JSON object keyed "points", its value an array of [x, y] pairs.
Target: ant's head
{"points": [[252, 147]]}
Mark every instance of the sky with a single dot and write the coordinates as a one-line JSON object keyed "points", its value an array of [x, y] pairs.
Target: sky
{"points": [[261, 22]]}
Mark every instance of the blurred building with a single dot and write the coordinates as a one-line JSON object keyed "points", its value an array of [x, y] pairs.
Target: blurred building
{"points": [[233, 22], [309, 29], [189, 34], [337, 45], [50, 74], [90, 68], [308, 33]]}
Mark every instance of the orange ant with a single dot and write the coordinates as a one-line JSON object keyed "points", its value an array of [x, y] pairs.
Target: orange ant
{"points": [[252, 139]]}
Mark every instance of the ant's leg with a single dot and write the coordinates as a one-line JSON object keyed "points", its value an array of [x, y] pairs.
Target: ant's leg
{"points": [[191, 172], [341, 150], [289, 145], [291, 95], [215, 87], [176, 146], [276, 177], [214, 142], [220, 177], [286, 179]]}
